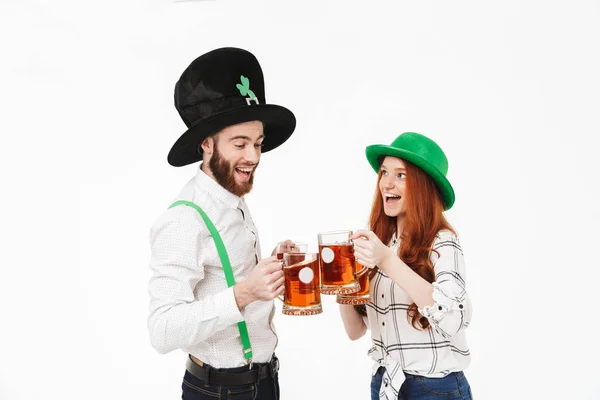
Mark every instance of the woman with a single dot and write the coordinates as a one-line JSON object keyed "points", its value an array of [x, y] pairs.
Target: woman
{"points": [[419, 308]]}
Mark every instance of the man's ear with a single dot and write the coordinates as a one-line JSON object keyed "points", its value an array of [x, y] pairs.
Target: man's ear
{"points": [[207, 145]]}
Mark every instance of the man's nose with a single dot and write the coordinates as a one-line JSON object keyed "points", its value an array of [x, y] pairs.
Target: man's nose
{"points": [[252, 154]]}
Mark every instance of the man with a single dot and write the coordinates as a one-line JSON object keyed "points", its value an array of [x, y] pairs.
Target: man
{"points": [[221, 316]]}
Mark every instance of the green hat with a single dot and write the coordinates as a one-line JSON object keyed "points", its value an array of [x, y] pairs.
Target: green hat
{"points": [[420, 151]]}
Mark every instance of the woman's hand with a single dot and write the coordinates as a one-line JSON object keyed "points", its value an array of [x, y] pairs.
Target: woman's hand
{"points": [[370, 251]]}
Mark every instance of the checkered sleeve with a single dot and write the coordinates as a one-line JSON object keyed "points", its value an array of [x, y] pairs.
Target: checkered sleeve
{"points": [[451, 311]]}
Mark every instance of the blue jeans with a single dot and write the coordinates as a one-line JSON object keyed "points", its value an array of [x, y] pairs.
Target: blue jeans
{"points": [[453, 386], [196, 389]]}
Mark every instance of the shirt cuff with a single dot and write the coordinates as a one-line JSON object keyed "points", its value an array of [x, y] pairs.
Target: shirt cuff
{"points": [[227, 307], [446, 299]]}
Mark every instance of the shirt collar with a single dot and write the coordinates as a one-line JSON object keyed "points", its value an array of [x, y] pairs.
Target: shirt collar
{"points": [[208, 184]]}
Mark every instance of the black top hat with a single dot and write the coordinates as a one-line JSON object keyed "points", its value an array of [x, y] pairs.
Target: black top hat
{"points": [[221, 88]]}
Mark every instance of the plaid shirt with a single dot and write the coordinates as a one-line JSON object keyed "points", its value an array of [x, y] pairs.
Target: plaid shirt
{"points": [[435, 352]]}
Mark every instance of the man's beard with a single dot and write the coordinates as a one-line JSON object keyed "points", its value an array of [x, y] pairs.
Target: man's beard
{"points": [[223, 171]]}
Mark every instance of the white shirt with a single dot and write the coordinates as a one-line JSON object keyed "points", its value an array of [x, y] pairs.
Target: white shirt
{"points": [[191, 307], [433, 353]]}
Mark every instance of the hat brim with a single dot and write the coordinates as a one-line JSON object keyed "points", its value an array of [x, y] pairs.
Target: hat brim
{"points": [[279, 124], [376, 152]]}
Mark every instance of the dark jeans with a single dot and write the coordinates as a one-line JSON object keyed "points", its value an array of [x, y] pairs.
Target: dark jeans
{"points": [[196, 389], [453, 386]]}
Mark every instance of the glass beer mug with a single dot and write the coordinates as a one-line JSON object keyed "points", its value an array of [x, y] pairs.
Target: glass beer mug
{"points": [[362, 296], [302, 294], [339, 273], [284, 247]]}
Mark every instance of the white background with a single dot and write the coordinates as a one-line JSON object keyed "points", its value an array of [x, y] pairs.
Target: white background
{"points": [[510, 90]]}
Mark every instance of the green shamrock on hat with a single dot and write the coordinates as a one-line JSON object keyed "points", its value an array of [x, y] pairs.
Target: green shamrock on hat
{"points": [[244, 88]]}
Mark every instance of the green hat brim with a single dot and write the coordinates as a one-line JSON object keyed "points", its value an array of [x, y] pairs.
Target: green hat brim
{"points": [[377, 151]]}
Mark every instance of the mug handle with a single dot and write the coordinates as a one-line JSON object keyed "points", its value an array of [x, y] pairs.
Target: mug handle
{"points": [[281, 297], [364, 269]]}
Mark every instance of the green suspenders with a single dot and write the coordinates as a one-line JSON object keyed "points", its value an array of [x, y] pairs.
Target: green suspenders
{"points": [[226, 267]]}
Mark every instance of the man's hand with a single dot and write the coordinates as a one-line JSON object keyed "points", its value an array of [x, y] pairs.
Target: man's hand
{"points": [[265, 282]]}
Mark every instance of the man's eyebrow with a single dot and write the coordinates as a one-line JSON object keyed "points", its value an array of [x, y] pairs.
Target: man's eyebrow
{"points": [[248, 138]]}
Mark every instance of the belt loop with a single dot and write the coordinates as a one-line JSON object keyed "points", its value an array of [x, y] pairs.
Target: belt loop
{"points": [[274, 366], [208, 368]]}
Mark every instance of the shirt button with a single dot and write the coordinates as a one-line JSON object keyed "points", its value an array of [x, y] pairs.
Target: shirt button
{"points": [[440, 308], [383, 323], [460, 306], [382, 296]]}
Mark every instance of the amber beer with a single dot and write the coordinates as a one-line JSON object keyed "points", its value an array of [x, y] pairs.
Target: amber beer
{"points": [[338, 269], [362, 296], [337, 275], [302, 294]]}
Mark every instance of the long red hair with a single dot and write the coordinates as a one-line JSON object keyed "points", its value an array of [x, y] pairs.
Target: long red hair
{"points": [[424, 219]]}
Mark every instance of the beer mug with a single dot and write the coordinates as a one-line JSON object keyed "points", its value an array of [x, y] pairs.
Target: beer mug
{"points": [[362, 296], [283, 247], [337, 262], [302, 294]]}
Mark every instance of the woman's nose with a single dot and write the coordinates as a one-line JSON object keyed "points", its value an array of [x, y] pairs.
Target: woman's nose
{"points": [[387, 183]]}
